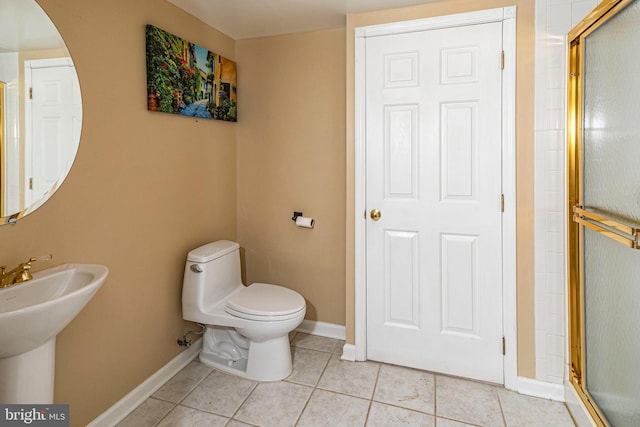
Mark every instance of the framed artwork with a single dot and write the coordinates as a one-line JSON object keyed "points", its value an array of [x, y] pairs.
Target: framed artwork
{"points": [[184, 78]]}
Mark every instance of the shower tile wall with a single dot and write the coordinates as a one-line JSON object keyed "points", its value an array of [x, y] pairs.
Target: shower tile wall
{"points": [[554, 19]]}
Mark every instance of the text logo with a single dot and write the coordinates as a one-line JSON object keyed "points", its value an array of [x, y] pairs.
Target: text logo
{"points": [[34, 415]]}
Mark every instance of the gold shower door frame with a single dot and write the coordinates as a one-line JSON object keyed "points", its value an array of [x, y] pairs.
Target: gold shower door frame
{"points": [[578, 217]]}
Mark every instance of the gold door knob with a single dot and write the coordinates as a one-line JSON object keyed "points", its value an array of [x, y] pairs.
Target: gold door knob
{"points": [[375, 214]]}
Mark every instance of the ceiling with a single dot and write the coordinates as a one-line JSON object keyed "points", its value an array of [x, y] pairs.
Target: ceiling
{"points": [[243, 19], [25, 26]]}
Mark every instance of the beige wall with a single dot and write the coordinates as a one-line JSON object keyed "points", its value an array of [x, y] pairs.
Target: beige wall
{"points": [[524, 155], [145, 188], [291, 157]]}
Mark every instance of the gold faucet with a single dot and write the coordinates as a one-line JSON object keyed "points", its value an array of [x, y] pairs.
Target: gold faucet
{"points": [[19, 274]]}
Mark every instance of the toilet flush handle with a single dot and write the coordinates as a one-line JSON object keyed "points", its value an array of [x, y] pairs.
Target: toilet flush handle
{"points": [[196, 268]]}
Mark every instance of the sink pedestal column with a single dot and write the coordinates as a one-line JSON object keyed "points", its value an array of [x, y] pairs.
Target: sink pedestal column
{"points": [[28, 377]]}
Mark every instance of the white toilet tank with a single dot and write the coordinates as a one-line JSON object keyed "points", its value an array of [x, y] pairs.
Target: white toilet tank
{"points": [[211, 273]]}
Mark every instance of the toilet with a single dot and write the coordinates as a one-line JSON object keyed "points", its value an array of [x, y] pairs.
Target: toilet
{"points": [[247, 327]]}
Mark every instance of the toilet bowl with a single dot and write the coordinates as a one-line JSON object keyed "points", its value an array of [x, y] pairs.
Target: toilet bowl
{"points": [[247, 327]]}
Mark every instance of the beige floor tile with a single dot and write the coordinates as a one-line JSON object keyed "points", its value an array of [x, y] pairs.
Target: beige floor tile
{"points": [[352, 378], [314, 342], [183, 382], [381, 415], [220, 393], [521, 411], [147, 414], [330, 409], [342, 397], [276, 404], [308, 365], [406, 387], [187, 417], [468, 401]]}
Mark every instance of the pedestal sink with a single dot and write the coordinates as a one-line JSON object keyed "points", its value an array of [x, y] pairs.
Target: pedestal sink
{"points": [[31, 315]]}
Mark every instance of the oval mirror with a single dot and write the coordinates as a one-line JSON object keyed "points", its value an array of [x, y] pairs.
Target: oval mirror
{"points": [[40, 109]]}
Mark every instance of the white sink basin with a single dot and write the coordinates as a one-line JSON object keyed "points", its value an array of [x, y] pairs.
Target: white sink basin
{"points": [[34, 312]]}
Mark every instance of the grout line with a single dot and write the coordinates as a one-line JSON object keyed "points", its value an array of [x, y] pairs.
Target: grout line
{"points": [[257, 383], [197, 384], [355, 397], [313, 390], [165, 415], [314, 387], [205, 411], [333, 351], [504, 419], [326, 365], [366, 419], [230, 420], [464, 423], [180, 400], [160, 399], [242, 422], [435, 399], [404, 408], [375, 386]]}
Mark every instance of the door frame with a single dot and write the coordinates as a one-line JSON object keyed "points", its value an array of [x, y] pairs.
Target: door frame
{"points": [[507, 16]]}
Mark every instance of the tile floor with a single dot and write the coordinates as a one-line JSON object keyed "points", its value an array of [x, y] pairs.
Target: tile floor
{"points": [[325, 391]]}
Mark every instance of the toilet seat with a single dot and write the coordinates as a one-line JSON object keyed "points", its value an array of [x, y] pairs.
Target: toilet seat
{"points": [[264, 302]]}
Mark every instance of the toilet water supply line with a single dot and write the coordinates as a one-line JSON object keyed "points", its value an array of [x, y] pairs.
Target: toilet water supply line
{"points": [[187, 343]]}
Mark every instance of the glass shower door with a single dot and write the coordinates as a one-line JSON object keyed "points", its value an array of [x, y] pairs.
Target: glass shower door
{"points": [[607, 214]]}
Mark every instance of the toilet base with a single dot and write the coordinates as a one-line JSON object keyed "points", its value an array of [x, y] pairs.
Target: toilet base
{"points": [[227, 350]]}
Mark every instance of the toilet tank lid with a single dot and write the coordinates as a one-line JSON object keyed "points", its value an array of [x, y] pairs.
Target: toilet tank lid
{"points": [[211, 251]]}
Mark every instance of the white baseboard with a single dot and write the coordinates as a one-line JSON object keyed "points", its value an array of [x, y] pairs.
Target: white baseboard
{"points": [[537, 388], [323, 329], [349, 353], [131, 401]]}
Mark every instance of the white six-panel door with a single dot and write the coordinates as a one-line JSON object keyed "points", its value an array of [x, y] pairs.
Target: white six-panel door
{"points": [[55, 121], [433, 171]]}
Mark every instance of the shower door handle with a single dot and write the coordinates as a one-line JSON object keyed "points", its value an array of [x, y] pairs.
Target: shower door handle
{"points": [[606, 226]]}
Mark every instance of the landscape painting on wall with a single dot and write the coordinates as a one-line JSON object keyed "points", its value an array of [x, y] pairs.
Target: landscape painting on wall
{"points": [[184, 78]]}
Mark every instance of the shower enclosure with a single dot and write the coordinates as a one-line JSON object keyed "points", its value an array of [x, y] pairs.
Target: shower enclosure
{"points": [[604, 208]]}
